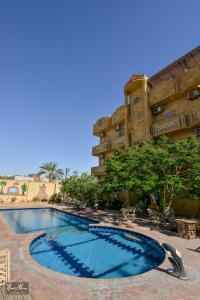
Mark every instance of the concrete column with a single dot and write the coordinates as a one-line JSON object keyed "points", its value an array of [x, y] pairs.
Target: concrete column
{"points": [[127, 103], [126, 98], [146, 111], [27, 191]]}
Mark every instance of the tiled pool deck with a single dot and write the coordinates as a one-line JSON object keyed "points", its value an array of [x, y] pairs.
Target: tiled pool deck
{"points": [[49, 285]]}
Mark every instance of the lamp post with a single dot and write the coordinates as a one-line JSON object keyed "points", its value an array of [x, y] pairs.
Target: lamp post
{"points": [[66, 172]]}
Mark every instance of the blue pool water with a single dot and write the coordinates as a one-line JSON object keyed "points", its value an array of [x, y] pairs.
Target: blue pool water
{"points": [[70, 246], [35, 219]]}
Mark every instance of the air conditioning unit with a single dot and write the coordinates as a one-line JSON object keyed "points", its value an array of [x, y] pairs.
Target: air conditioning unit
{"points": [[116, 152], [157, 110], [117, 128], [193, 95], [197, 131], [102, 134]]}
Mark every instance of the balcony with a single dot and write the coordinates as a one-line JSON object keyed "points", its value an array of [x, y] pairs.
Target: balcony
{"points": [[118, 142], [101, 125], [118, 116], [189, 78], [161, 91], [193, 119], [102, 148], [98, 171], [134, 82], [175, 125]]}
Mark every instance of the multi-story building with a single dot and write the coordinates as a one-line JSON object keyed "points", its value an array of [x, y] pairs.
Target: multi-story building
{"points": [[168, 103]]}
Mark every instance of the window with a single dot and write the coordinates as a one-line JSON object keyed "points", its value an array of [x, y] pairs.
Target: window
{"points": [[12, 190], [169, 115], [121, 132], [136, 100], [106, 139]]}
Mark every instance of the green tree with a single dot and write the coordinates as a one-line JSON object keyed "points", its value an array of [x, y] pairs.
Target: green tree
{"points": [[193, 180], [163, 168], [24, 188], [51, 171], [83, 187], [2, 184]]}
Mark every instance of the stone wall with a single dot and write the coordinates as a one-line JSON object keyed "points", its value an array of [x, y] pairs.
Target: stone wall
{"points": [[12, 191]]}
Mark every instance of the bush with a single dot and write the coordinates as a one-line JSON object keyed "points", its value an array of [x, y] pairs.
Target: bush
{"points": [[112, 202], [13, 199], [36, 199], [55, 198], [102, 203], [44, 200], [84, 187], [39, 199]]}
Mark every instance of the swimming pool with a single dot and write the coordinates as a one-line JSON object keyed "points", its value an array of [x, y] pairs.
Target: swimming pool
{"points": [[27, 220], [73, 246]]}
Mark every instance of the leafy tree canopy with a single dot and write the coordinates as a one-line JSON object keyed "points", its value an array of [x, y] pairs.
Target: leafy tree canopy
{"points": [[83, 187], [156, 167], [24, 188]]}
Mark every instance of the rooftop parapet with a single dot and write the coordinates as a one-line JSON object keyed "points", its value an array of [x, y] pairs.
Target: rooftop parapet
{"points": [[134, 82]]}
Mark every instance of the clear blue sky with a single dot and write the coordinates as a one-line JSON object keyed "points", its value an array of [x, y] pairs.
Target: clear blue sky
{"points": [[63, 65]]}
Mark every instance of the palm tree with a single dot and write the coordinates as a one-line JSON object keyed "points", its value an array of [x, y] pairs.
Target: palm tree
{"points": [[2, 183], [51, 171]]}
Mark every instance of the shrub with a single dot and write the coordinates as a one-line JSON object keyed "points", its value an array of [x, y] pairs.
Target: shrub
{"points": [[55, 198], [44, 200], [36, 199], [39, 199], [114, 203], [83, 187], [102, 203], [13, 199]]}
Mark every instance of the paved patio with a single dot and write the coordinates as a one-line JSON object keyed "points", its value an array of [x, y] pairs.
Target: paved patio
{"points": [[156, 284]]}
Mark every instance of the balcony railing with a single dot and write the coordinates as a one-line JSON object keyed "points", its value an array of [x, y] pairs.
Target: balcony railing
{"points": [[177, 124], [118, 142], [102, 148], [193, 118], [98, 171]]}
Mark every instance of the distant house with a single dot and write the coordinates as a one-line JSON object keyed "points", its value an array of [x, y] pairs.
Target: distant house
{"points": [[30, 177]]}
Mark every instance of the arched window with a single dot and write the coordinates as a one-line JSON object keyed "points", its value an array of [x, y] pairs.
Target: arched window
{"points": [[12, 190]]}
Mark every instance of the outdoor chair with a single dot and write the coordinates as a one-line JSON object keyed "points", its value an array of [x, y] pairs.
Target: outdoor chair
{"points": [[81, 206], [123, 214], [127, 213], [66, 200]]}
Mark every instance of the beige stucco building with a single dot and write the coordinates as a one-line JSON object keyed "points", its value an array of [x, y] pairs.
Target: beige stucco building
{"points": [[168, 103]]}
